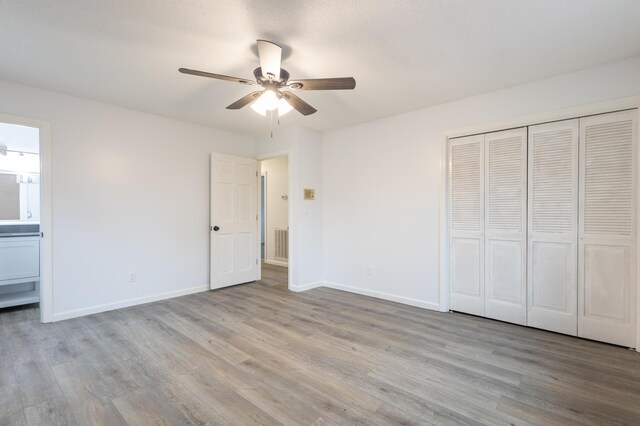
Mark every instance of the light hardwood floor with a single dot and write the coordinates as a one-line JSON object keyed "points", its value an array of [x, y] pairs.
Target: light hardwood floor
{"points": [[258, 353]]}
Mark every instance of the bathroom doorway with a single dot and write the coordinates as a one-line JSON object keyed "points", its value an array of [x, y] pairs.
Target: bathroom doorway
{"points": [[25, 214], [275, 210], [19, 215], [274, 219]]}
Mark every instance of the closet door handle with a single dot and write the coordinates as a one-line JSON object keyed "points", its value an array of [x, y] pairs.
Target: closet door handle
{"points": [[216, 228]]}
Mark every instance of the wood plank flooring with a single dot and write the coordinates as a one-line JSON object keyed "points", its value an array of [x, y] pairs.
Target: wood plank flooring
{"points": [[257, 353]]}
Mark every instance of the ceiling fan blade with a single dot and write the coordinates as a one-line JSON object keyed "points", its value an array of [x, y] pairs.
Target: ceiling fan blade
{"points": [[342, 83], [270, 58], [218, 76], [300, 105], [244, 101]]}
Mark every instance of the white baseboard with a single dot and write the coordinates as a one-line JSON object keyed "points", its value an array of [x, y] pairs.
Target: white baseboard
{"points": [[126, 303], [276, 262], [385, 296], [305, 287]]}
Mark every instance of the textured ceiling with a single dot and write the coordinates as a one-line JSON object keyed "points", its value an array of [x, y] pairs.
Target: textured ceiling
{"points": [[404, 54]]}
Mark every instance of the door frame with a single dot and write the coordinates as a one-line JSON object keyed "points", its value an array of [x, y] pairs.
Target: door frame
{"points": [[277, 154], [46, 239], [263, 217], [632, 102]]}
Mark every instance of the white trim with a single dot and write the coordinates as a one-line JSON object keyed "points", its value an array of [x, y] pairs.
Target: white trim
{"points": [[546, 117], [306, 287], [263, 215], [290, 177], [127, 303], [637, 248], [443, 258], [527, 120], [385, 296], [274, 154], [46, 219]]}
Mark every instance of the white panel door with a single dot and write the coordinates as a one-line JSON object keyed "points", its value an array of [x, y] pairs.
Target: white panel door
{"points": [[234, 220], [466, 224], [505, 158], [553, 227], [607, 228]]}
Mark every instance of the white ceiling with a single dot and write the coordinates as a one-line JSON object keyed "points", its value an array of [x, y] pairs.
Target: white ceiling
{"points": [[404, 54]]}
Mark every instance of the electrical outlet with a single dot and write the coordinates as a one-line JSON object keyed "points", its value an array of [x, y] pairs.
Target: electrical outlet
{"points": [[369, 270], [132, 277]]}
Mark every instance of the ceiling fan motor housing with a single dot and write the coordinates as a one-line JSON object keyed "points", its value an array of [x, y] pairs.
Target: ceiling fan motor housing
{"points": [[269, 81]]}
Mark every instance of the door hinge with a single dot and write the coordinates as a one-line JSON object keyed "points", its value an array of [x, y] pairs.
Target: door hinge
{"points": [[256, 217], [256, 261]]}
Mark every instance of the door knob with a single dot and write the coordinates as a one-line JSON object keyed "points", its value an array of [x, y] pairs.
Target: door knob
{"points": [[216, 228]]}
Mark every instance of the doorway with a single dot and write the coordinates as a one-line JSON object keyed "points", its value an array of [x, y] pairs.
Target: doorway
{"points": [[242, 206], [20, 177], [45, 265], [274, 218]]}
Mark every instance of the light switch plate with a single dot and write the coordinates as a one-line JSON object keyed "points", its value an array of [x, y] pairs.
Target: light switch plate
{"points": [[309, 194]]}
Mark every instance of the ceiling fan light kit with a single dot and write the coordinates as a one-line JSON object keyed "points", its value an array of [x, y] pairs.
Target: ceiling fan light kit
{"points": [[273, 79], [269, 101]]}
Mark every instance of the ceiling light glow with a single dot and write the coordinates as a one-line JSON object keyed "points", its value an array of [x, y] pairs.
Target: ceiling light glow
{"points": [[283, 107], [269, 101]]}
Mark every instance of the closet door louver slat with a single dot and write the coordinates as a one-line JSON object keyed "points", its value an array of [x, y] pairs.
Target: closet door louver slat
{"points": [[608, 178], [466, 224], [553, 223], [607, 244], [465, 187], [505, 201]]}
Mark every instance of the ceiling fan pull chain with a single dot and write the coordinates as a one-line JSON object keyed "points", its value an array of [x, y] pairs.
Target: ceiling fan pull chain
{"points": [[271, 122]]}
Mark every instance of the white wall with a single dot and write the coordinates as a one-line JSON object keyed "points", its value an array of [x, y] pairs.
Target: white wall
{"points": [[305, 217], [276, 171], [382, 181], [130, 193]]}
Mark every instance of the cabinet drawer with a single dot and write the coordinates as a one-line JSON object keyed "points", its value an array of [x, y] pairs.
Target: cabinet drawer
{"points": [[19, 258]]}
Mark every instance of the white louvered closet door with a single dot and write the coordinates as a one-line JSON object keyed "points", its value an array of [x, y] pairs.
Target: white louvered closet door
{"points": [[466, 224], [552, 268], [505, 225], [607, 228]]}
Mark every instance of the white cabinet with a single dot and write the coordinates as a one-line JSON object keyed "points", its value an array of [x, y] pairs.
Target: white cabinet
{"points": [[542, 226], [19, 270]]}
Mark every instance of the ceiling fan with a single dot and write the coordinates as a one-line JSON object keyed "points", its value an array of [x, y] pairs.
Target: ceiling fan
{"points": [[273, 79]]}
